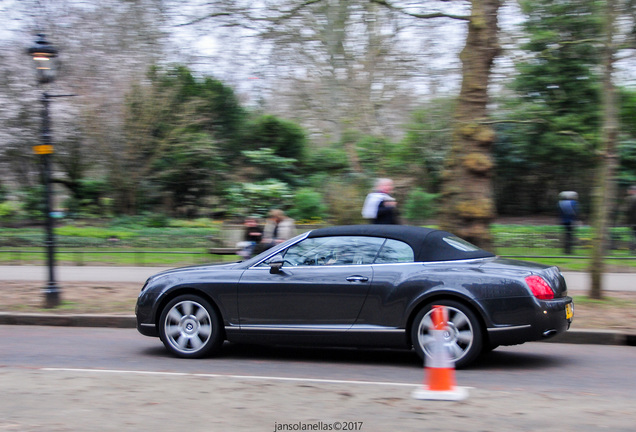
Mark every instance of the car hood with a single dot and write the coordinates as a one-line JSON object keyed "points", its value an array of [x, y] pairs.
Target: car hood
{"points": [[193, 269]]}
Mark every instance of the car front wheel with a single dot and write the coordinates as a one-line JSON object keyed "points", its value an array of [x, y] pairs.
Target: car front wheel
{"points": [[190, 327], [462, 338]]}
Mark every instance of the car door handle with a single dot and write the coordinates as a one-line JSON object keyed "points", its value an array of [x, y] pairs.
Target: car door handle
{"points": [[357, 279]]}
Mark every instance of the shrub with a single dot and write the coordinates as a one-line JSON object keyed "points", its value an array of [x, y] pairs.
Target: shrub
{"points": [[196, 223], [420, 205], [156, 220], [329, 159], [258, 198], [92, 232], [344, 198], [33, 202], [308, 205], [9, 210]]}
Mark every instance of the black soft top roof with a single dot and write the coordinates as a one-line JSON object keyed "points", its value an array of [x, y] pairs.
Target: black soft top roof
{"points": [[427, 243]]}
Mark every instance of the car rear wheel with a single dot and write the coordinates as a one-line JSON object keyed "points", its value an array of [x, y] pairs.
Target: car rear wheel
{"points": [[462, 339], [190, 327]]}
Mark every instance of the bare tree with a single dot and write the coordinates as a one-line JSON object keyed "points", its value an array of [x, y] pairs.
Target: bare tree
{"points": [[604, 191], [104, 48], [468, 203], [357, 47], [468, 200], [334, 64]]}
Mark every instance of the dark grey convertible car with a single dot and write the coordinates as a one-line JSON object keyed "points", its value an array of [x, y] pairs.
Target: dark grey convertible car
{"points": [[362, 285]]}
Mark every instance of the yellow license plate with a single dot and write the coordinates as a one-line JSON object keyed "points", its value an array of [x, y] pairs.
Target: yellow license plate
{"points": [[569, 311]]}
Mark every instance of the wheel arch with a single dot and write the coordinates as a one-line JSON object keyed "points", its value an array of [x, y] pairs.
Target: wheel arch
{"points": [[174, 293], [445, 295]]}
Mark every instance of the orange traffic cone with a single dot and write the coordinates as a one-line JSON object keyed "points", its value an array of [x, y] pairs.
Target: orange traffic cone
{"points": [[440, 369]]}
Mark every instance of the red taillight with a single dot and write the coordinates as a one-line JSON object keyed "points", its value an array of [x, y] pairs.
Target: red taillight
{"points": [[540, 288]]}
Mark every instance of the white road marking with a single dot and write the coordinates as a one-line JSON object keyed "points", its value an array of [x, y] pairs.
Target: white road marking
{"points": [[244, 377]]}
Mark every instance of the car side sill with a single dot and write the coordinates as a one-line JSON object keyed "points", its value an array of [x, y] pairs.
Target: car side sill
{"points": [[510, 328], [313, 328]]}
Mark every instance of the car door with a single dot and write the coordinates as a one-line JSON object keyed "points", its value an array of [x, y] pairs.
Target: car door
{"points": [[392, 288], [323, 284]]}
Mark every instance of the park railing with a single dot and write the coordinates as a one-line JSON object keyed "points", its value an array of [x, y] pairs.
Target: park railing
{"points": [[81, 257], [543, 242], [547, 241]]}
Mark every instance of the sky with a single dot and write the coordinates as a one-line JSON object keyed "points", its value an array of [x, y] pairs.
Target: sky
{"points": [[202, 51]]}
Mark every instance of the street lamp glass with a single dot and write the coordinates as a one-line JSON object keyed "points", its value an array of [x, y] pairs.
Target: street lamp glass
{"points": [[44, 54]]}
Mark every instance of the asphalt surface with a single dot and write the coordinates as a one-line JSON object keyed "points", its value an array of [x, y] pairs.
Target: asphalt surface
{"points": [[577, 282], [63, 399]]}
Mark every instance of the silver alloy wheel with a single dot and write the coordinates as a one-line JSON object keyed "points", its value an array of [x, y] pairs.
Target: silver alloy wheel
{"points": [[458, 337], [188, 327]]}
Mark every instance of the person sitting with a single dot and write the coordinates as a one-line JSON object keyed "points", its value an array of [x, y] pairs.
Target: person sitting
{"points": [[278, 228], [252, 236]]}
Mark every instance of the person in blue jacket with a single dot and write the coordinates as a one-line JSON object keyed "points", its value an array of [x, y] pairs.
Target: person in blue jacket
{"points": [[569, 214]]}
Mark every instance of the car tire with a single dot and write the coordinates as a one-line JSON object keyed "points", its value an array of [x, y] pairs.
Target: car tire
{"points": [[190, 327], [463, 340]]}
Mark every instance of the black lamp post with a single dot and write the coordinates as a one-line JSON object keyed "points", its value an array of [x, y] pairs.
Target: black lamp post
{"points": [[44, 54]]}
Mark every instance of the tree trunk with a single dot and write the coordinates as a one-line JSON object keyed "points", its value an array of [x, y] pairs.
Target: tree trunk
{"points": [[467, 194], [604, 190]]}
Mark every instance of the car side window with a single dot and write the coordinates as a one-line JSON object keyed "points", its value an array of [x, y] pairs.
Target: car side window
{"points": [[395, 251], [337, 250]]}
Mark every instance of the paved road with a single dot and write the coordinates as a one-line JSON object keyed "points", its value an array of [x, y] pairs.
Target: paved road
{"points": [[117, 380], [577, 281], [599, 370]]}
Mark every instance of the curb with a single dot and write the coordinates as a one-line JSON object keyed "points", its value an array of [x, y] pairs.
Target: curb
{"points": [[595, 337], [71, 320], [586, 336]]}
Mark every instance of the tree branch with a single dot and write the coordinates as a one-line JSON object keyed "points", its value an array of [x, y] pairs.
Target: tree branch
{"points": [[295, 10], [284, 15], [392, 7], [492, 122], [198, 20]]}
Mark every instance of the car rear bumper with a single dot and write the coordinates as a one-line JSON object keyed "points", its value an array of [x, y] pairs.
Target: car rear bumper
{"points": [[549, 320]]}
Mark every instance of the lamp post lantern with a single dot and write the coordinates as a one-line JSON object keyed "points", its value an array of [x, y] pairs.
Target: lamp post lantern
{"points": [[44, 54]]}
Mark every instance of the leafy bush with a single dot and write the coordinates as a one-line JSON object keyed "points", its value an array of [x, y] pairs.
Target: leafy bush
{"points": [[258, 198], [420, 205], [157, 220], [3, 192], [9, 210], [286, 138], [32, 200], [92, 232], [21, 237], [308, 205], [381, 156], [344, 197], [331, 159], [271, 165], [131, 222], [196, 223], [88, 202]]}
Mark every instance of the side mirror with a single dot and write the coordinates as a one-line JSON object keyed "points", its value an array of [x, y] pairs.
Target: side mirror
{"points": [[276, 264]]}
